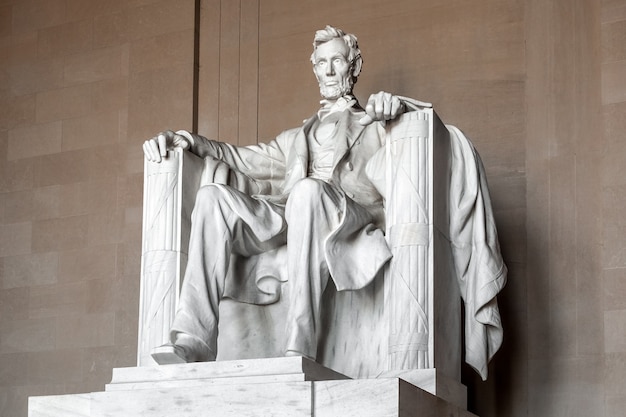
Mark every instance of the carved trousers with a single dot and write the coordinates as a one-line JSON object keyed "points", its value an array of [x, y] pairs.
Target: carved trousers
{"points": [[225, 222]]}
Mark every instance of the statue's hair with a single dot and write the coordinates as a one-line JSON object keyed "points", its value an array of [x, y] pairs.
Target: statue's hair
{"points": [[328, 34]]}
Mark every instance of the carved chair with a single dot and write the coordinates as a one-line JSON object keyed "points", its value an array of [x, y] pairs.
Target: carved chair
{"points": [[408, 320]]}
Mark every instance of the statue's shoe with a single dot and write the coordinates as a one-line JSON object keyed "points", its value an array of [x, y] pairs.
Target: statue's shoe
{"points": [[291, 353], [186, 349], [169, 354]]}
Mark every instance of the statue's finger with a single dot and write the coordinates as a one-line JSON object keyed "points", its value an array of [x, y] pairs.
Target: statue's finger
{"points": [[396, 105], [379, 107], [147, 150], [154, 150], [162, 144]]}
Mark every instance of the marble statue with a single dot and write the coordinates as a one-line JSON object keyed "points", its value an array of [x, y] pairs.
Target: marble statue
{"points": [[315, 198]]}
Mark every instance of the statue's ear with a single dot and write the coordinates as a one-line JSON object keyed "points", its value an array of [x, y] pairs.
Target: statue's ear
{"points": [[357, 63]]}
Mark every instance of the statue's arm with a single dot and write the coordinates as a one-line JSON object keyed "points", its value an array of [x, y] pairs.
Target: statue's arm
{"points": [[262, 164]]}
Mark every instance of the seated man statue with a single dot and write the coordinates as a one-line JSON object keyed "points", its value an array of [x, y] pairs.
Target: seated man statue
{"points": [[308, 189]]}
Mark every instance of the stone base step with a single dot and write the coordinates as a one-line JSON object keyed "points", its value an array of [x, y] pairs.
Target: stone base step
{"points": [[261, 387]]}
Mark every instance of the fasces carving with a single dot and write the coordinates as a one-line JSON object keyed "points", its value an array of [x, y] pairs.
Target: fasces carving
{"points": [[337, 236], [409, 233]]}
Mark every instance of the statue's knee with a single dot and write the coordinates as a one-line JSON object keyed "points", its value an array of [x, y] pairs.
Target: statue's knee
{"points": [[305, 195], [210, 195], [307, 188]]}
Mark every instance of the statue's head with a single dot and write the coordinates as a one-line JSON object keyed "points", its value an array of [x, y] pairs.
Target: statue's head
{"points": [[336, 62]]}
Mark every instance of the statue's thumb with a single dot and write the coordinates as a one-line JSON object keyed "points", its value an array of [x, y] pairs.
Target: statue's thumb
{"points": [[366, 120]]}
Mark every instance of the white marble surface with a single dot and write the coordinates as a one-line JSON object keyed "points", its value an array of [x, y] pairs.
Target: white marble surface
{"points": [[380, 397], [340, 397], [403, 314], [75, 405], [247, 371]]}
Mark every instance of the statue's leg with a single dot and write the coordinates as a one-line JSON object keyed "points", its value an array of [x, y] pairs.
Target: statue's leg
{"points": [[224, 221], [313, 211]]}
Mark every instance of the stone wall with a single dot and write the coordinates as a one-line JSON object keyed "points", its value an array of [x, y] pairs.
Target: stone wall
{"points": [[537, 85], [82, 84], [613, 186]]}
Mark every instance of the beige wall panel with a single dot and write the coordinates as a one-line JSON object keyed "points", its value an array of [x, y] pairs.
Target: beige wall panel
{"points": [[209, 68], [85, 330], [90, 131], [229, 71], [60, 234], [43, 368], [615, 289], [34, 140], [614, 194], [160, 99], [615, 370], [615, 341], [33, 15], [249, 73], [28, 335], [613, 75], [63, 168], [109, 95], [17, 239], [93, 66], [62, 40], [614, 250], [82, 84], [615, 152], [17, 111], [34, 76], [18, 206], [564, 205], [29, 270], [63, 103], [162, 51], [97, 262]]}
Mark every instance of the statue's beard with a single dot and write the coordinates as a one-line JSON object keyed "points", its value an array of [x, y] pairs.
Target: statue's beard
{"points": [[333, 92]]}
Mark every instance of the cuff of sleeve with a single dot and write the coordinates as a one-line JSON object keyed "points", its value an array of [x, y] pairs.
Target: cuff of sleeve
{"points": [[187, 135], [412, 104]]}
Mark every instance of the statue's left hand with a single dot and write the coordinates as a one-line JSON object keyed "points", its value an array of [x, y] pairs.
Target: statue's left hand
{"points": [[382, 106], [156, 148]]}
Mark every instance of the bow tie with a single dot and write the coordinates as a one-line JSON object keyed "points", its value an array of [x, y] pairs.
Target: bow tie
{"points": [[329, 106]]}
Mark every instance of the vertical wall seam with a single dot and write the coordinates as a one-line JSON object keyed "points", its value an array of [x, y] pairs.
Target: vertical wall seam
{"points": [[258, 68], [238, 124], [196, 66]]}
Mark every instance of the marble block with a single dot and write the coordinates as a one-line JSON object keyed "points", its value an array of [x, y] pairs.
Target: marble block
{"points": [[379, 397], [276, 386], [435, 382], [247, 371]]}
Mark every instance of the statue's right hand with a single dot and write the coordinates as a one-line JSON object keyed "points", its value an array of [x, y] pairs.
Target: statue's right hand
{"points": [[155, 149]]}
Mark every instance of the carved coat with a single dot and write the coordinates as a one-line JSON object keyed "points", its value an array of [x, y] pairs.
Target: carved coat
{"points": [[356, 250]]}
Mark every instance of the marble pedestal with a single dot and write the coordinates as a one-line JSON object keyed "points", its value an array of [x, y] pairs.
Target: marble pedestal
{"points": [[263, 387]]}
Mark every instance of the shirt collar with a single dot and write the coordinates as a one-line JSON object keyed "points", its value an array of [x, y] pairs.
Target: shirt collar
{"points": [[339, 105]]}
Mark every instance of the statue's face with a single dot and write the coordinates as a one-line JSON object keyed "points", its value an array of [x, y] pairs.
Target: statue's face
{"points": [[332, 69]]}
